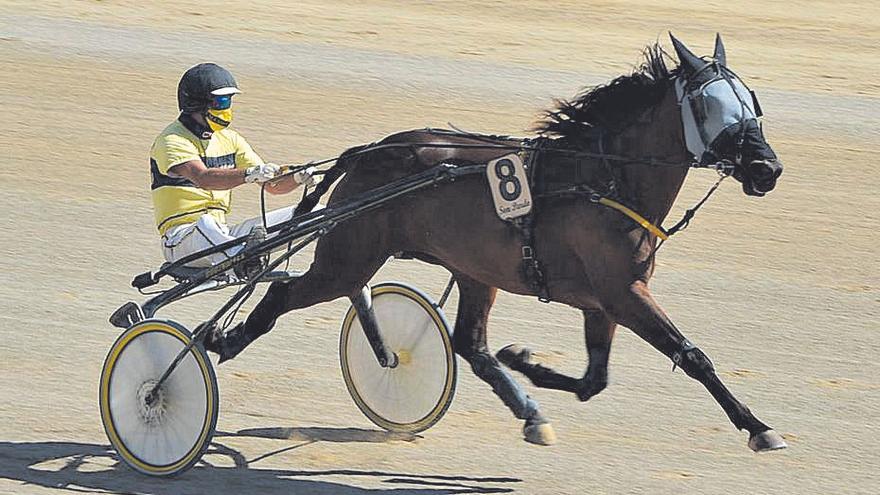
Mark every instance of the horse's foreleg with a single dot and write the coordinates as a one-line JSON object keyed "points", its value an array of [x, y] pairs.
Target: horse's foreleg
{"points": [[469, 340], [638, 311], [599, 331]]}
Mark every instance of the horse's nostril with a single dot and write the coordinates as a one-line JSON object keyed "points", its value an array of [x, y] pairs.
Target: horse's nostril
{"points": [[760, 170], [764, 170]]}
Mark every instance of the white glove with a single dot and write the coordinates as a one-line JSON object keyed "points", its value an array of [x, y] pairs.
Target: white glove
{"points": [[305, 177], [261, 173]]}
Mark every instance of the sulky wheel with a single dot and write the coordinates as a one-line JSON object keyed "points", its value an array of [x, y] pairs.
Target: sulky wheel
{"points": [[413, 395], [167, 433]]}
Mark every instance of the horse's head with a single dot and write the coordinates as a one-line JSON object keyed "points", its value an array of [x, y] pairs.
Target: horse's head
{"points": [[720, 118]]}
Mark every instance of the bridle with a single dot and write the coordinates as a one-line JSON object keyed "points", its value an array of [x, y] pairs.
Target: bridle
{"points": [[693, 107]]}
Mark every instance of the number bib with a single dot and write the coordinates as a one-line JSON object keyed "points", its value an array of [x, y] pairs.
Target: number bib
{"points": [[509, 186]]}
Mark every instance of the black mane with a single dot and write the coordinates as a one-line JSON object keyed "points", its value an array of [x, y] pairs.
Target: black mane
{"points": [[610, 106]]}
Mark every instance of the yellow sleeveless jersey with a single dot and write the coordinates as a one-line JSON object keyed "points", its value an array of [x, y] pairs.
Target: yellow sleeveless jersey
{"points": [[176, 200]]}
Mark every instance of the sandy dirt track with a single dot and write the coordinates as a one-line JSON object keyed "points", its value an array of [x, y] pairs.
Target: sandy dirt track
{"points": [[782, 292]]}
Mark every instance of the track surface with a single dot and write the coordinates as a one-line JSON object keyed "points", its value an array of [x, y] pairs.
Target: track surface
{"points": [[782, 292]]}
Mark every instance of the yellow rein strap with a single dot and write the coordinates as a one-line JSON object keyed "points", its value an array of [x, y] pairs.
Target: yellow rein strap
{"points": [[650, 227]]}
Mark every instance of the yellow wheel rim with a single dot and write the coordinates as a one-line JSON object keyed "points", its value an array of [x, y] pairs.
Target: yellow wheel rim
{"points": [[413, 396], [169, 436]]}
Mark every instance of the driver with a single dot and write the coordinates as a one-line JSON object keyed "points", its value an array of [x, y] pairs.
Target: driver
{"points": [[197, 160]]}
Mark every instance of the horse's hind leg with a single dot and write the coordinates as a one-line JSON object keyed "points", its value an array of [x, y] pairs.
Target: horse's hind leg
{"points": [[337, 271], [469, 339], [599, 332], [638, 311]]}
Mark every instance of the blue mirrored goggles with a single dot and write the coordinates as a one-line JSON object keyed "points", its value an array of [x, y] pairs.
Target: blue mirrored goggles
{"points": [[221, 102]]}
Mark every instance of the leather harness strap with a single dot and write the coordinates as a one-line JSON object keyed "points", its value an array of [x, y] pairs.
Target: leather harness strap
{"points": [[532, 271], [532, 268]]}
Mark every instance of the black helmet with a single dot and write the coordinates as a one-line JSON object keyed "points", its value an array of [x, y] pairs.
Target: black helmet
{"points": [[200, 82]]}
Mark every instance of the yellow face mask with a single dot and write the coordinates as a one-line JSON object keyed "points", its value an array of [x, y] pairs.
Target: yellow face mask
{"points": [[218, 119]]}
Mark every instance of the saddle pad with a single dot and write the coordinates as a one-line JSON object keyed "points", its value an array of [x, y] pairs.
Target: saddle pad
{"points": [[555, 171]]}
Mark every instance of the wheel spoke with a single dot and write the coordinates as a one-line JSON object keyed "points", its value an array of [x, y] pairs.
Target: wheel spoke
{"points": [[167, 435], [415, 394]]}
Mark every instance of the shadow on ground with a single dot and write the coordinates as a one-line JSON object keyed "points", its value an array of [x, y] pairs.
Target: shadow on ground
{"points": [[92, 468]]}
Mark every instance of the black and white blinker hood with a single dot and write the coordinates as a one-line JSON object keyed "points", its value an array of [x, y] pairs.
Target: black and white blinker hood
{"points": [[712, 107]]}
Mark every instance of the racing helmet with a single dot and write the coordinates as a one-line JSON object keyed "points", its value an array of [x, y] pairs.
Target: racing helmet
{"points": [[200, 83]]}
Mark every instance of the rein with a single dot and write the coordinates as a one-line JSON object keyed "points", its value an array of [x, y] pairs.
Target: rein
{"points": [[290, 169], [689, 214], [723, 168]]}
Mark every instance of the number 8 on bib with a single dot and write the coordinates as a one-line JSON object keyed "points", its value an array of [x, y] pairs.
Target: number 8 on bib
{"points": [[509, 186]]}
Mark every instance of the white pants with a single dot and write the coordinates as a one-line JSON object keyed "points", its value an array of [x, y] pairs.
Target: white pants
{"points": [[184, 240]]}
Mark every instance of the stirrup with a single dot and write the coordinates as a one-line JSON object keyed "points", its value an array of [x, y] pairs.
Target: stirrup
{"points": [[249, 268]]}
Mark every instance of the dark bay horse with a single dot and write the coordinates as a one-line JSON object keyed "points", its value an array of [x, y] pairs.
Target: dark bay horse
{"points": [[655, 122]]}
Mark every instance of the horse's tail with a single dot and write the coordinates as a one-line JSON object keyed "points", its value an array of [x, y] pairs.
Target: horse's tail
{"points": [[343, 164]]}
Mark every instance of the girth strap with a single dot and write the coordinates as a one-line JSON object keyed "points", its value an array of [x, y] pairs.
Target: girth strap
{"points": [[531, 267], [532, 271]]}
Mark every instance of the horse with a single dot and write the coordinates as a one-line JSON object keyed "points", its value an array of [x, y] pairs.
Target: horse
{"points": [[634, 139]]}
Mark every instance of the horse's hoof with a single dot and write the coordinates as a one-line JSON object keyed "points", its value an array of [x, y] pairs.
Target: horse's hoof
{"points": [[589, 388], [767, 441], [540, 434], [231, 344], [513, 353]]}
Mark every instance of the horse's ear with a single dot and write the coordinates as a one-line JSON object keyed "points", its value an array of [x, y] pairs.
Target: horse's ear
{"points": [[719, 55], [687, 59]]}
